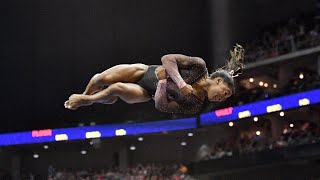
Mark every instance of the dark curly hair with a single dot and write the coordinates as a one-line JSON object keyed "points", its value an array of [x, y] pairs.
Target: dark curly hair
{"points": [[233, 68]]}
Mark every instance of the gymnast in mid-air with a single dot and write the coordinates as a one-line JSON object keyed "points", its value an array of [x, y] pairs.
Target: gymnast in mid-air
{"points": [[180, 85]]}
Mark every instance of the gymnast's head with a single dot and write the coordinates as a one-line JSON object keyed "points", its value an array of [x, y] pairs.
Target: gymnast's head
{"points": [[221, 82]]}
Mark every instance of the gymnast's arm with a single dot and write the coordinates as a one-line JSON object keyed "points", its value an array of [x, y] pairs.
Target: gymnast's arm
{"points": [[172, 62], [164, 105]]}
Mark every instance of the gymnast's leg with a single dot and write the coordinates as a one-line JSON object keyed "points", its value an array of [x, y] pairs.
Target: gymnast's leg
{"points": [[126, 73], [128, 92]]}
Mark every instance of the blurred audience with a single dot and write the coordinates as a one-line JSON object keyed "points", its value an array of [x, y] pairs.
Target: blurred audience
{"points": [[139, 172], [300, 133], [284, 37]]}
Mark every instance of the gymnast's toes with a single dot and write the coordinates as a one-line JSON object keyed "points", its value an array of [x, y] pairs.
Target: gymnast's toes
{"points": [[72, 103], [77, 100], [68, 105]]}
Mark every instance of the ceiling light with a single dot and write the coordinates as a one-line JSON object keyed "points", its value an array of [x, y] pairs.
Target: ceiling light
{"points": [[230, 124], [281, 114], [190, 134], [301, 76], [83, 152], [132, 148], [260, 83]]}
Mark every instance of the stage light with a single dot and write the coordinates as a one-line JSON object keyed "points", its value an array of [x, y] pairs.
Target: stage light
{"points": [[91, 142], [83, 152], [275, 86], [61, 137], [190, 134], [301, 76], [274, 108], [258, 133], [132, 148], [281, 114], [230, 124], [93, 134], [121, 132], [244, 114], [266, 84], [35, 156], [251, 80], [183, 143], [140, 138], [45, 147], [255, 119], [291, 125], [260, 83], [304, 102], [92, 123]]}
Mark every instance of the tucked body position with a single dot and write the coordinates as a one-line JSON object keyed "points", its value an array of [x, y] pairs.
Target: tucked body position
{"points": [[180, 85]]}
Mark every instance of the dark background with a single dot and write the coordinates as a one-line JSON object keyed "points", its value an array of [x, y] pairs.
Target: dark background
{"points": [[50, 49]]}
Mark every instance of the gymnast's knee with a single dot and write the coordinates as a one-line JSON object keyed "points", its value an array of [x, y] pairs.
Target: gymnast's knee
{"points": [[117, 88], [101, 79], [96, 78]]}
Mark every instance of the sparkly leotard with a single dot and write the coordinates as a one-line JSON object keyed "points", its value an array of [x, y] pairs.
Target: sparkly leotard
{"points": [[190, 75]]}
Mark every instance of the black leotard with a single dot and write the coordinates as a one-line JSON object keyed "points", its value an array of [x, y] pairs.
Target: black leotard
{"points": [[149, 80]]}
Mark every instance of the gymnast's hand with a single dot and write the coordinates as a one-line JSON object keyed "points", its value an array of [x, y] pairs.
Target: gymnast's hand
{"points": [[187, 89], [161, 73]]}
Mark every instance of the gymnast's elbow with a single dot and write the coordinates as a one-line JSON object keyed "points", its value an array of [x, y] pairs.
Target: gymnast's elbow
{"points": [[167, 58], [199, 61], [157, 107]]}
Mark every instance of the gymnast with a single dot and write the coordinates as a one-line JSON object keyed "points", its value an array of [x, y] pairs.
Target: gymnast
{"points": [[180, 85]]}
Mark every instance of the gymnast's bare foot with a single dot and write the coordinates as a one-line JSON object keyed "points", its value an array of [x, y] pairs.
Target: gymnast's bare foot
{"points": [[77, 100]]}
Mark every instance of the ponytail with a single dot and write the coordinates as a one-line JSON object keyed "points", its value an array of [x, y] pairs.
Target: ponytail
{"points": [[235, 64], [233, 68]]}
